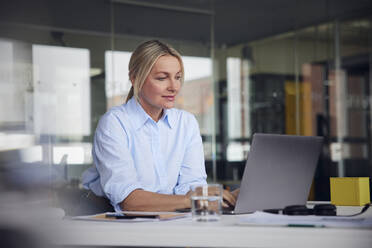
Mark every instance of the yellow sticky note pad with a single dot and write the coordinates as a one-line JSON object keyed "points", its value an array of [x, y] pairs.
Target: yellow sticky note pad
{"points": [[350, 191]]}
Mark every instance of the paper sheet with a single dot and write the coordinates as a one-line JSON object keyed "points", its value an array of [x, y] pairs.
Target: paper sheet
{"points": [[262, 218]]}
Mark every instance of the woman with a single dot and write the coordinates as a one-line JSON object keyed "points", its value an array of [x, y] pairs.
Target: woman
{"points": [[146, 153]]}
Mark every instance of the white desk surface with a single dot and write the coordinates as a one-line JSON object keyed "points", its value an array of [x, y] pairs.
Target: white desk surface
{"points": [[225, 233]]}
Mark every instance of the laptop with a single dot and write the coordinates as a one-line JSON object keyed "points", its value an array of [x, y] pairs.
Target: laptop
{"points": [[278, 172]]}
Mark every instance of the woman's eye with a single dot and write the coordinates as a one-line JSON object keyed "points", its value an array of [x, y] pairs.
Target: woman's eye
{"points": [[161, 78], [178, 78]]}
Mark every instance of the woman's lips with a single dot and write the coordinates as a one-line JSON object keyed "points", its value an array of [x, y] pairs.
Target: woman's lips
{"points": [[169, 98]]}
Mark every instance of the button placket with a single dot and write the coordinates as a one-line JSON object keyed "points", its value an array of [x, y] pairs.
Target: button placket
{"points": [[158, 156]]}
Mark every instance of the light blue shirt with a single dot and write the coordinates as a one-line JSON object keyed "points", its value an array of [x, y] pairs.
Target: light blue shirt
{"points": [[132, 151]]}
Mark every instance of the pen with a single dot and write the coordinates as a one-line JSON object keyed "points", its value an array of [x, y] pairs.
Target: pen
{"points": [[304, 225]]}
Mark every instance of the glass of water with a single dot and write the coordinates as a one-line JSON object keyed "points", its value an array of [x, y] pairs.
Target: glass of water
{"points": [[206, 201]]}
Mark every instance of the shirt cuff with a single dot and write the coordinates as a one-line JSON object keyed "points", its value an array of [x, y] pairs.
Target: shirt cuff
{"points": [[121, 196], [184, 188]]}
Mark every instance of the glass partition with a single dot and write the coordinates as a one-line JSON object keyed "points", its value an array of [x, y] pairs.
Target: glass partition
{"points": [[311, 81], [51, 98], [60, 74]]}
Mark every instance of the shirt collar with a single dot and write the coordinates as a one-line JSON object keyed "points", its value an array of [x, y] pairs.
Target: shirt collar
{"points": [[168, 117], [139, 116]]}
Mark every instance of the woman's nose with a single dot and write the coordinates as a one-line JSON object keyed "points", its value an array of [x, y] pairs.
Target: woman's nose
{"points": [[173, 85]]}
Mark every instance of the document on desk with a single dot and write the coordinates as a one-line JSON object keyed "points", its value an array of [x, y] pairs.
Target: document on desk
{"points": [[131, 216], [261, 218]]}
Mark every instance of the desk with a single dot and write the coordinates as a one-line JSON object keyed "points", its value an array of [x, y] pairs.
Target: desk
{"points": [[225, 233]]}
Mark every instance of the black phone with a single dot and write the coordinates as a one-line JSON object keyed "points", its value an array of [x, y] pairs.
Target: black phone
{"points": [[129, 216], [183, 210]]}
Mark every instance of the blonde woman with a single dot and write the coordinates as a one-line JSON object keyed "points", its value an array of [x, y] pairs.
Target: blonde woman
{"points": [[146, 153]]}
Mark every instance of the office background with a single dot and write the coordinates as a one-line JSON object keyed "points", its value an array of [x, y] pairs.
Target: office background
{"points": [[287, 67]]}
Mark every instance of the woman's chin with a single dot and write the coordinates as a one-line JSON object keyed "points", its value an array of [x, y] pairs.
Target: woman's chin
{"points": [[168, 105]]}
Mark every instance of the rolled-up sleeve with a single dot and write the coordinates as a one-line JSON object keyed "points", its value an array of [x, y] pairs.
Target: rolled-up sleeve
{"points": [[192, 170], [113, 159]]}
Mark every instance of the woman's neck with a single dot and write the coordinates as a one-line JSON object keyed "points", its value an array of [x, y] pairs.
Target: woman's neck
{"points": [[153, 112]]}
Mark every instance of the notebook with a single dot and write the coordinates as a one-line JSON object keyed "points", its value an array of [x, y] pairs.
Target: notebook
{"points": [[278, 172]]}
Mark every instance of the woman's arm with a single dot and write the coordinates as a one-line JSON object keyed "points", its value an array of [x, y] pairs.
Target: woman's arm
{"points": [[141, 200], [192, 171], [113, 159]]}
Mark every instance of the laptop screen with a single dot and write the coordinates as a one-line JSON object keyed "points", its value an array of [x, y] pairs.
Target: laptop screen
{"points": [[278, 172]]}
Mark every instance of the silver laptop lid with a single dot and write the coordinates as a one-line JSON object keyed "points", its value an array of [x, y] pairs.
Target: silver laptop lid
{"points": [[278, 172]]}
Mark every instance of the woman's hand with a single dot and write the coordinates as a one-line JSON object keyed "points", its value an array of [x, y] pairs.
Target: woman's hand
{"points": [[229, 198], [236, 192]]}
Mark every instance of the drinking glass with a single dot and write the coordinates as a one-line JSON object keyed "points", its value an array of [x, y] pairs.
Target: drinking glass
{"points": [[206, 201]]}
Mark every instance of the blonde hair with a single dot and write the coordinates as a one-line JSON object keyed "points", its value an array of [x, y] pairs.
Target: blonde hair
{"points": [[142, 61]]}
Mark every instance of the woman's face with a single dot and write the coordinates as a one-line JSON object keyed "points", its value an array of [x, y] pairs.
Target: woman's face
{"points": [[161, 86]]}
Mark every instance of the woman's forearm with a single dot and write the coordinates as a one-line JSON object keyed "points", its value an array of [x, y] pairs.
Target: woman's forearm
{"points": [[141, 200]]}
